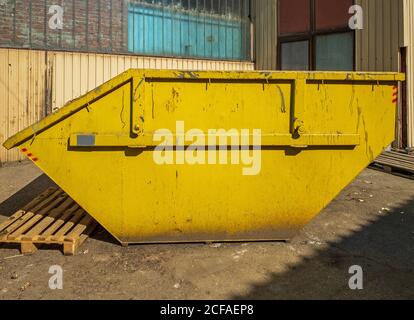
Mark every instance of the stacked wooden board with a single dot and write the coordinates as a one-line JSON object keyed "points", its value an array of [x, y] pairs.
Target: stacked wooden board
{"points": [[396, 162]]}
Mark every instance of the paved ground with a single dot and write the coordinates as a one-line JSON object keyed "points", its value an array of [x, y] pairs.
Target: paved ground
{"points": [[370, 224]]}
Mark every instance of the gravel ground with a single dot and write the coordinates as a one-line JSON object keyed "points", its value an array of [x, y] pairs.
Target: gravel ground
{"points": [[371, 224]]}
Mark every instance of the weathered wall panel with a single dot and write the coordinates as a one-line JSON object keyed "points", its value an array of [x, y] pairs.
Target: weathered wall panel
{"points": [[33, 83], [378, 44], [409, 43], [77, 73], [264, 17], [22, 93]]}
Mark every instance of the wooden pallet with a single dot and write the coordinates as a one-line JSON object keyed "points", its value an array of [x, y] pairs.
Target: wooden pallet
{"points": [[52, 218], [397, 163]]}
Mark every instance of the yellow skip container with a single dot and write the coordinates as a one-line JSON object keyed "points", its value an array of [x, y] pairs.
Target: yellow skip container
{"points": [[170, 156]]}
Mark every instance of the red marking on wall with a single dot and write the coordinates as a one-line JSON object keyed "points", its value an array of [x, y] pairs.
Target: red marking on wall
{"points": [[24, 150], [29, 155], [35, 159]]}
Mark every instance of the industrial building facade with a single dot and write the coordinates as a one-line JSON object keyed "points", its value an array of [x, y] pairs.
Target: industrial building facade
{"points": [[315, 35], [52, 51]]}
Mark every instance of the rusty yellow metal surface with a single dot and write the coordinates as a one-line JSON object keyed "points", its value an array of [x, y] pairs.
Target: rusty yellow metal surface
{"points": [[244, 155]]}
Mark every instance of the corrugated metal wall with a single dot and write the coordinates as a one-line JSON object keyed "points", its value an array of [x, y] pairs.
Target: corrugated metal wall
{"points": [[378, 44], [264, 17], [22, 93], [409, 43], [35, 82], [75, 74]]}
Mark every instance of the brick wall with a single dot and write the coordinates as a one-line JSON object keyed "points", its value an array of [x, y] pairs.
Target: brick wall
{"points": [[6, 25], [88, 25], [101, 26]]}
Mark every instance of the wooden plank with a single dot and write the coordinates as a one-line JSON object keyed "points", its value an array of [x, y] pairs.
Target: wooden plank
{"points": [[397, 161], [36, 217], [85, 235], [80, 227], [76, 76], [391, 158], [22, 90], [67, 85], [28, 248], [11, 220], [70, 248], [19, 222], [48, 220], [396, 164], [17, 215], [69, 225], [398, 158], [16, 225], [390, 170], [398, 155], [39, 198], [13, 99], [4, 66], [58, 223], [47, 201]]}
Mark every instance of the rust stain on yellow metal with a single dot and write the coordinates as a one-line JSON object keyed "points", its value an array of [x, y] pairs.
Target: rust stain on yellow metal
{"points": [[318, 132]]}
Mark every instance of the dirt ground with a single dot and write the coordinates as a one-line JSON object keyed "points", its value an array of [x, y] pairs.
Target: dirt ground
{"points": [[371, 224]]}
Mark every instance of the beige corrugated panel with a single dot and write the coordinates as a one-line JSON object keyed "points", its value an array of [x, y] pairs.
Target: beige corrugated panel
{"points": [[34, 83], [378, 44], [264, 16], [409, 43], [77, 73], [22, 93]]}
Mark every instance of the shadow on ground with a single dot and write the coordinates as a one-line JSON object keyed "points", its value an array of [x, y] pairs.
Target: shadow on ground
{"points": [[25, 195], [36, 187], [384, 248]]}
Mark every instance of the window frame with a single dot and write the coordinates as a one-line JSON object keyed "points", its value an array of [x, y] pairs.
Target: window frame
{"points": [[245, 31], [311, 36]]}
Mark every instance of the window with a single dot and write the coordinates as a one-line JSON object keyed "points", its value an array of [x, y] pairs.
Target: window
{"points": [[190, 28], [335, 52], [314, 35], [294, 16], [295, 55]]}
